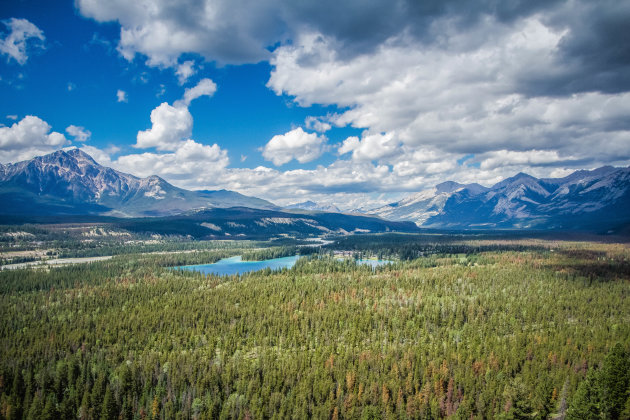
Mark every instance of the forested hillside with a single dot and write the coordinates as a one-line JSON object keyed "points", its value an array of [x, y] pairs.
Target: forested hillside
{"points": [[516, 334]]}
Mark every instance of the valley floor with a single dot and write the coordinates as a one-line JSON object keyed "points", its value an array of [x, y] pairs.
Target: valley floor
{"points": [[457, 328]]}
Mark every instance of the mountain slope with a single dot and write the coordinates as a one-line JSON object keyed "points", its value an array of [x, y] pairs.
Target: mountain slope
{"points": [[71, 182], [421, 206], [585, 199], [240, 222]]}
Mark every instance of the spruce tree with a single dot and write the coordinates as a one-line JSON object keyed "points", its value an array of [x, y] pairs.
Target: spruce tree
{"points": [[614, 381], [585, 404], [109, 410]]}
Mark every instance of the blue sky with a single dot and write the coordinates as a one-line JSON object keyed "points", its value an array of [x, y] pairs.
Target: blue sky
{"points": [[75, 77], [347, 103]]}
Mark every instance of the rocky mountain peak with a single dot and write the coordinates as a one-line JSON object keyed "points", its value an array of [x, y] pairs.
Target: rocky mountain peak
{"points": [[73, 181]]}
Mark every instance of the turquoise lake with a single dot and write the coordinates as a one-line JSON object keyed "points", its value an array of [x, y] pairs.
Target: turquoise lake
{"points": [[236, 265]]}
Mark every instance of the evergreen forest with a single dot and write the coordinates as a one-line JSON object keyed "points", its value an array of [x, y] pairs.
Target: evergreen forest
{"points": [[455, 327]]}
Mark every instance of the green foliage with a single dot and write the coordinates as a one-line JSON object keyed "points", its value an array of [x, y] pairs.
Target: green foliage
{"points": [[604, 392], [518, 404], [278, 252], [512, 332], [586, 402], [614, 381]]}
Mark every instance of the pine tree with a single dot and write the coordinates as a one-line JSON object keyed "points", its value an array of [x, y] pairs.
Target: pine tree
{"points": [[518, 400], [50, 411], [614, 380], [109, 410], [625, 414], [36, 408], [84, 409], [585, 403]]}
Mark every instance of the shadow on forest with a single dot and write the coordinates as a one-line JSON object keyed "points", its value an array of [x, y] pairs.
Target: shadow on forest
{"points": [[592, 265]]}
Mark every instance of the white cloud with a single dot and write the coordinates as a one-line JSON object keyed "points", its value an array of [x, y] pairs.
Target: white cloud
{"points": [[79, 133], [22, 33], [28, 138], [349, 145], [205, 87], [561, 172], [102, 157], [295, 144], [228, 31], [184, 71], [525, 86], [191, 165], [172, 124], [169, 126], [112, 149], [453, 97], [12, 117], [499, 158], [371, 146], [187, 163], [317, 124], [121, 95]]}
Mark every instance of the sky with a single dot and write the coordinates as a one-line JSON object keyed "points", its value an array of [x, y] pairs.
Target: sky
{"points": [[355, 103]]}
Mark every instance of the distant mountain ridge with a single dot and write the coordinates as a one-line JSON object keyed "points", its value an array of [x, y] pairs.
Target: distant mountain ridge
{"points": [[241, 222], [583, 199], [71, 182], [312, 206]]}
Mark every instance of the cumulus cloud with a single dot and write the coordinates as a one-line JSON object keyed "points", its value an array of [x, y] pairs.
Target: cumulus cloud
{"points": [[459, 102], [184, 71], [121, 96], [180, 160], [501, 158], [317, 124], [373, 146], [593, 52], [191, 163], [79, 133], [21, 34], [295, 144], [169, 126], [172, 124], [451, 89], [226, 31], [28, 138], [205, 87]]}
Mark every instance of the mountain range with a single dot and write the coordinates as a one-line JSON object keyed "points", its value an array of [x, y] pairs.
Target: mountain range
{"points": [[594, 199], [71, 183], [68, 185]]}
